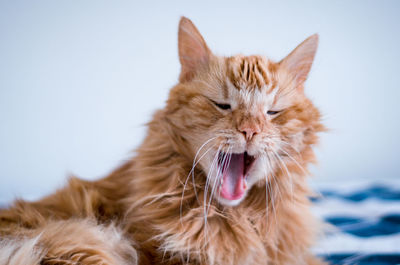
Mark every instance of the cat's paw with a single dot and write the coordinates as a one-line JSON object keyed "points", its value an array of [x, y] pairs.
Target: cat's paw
{"points": [[83, 242]]}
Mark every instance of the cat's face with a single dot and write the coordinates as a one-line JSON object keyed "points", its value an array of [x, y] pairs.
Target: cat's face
{"points": [[245, 117]]}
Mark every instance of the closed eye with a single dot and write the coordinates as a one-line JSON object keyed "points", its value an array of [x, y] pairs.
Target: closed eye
{"points": [[223, 106], [272, 112]]}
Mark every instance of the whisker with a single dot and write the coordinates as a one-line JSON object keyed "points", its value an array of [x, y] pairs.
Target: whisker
{"points": [[229, 158], [207, 206], [206, 189], [294, 160], [213, 185], [266, 195], [218, 176], [272, 195], [187, 179], [287, 144], [287, 171], [194, 165], [305, 172], [273, 175]]}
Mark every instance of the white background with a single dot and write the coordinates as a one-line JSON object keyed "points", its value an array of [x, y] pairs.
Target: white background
{"points": [[79, 79]]}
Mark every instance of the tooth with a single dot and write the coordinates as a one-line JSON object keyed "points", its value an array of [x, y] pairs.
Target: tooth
{"points": [[244, 184]]}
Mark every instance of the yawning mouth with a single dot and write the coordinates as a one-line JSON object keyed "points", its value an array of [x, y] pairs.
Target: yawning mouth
{"points": [[234, 169]]}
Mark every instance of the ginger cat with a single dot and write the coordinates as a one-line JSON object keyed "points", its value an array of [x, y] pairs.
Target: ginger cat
{"points": [[219, 179]]}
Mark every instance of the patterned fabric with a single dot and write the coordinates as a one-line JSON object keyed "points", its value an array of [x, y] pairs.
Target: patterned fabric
{"points": [[363, 224]]}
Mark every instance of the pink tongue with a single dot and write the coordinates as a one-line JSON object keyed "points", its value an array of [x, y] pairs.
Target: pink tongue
{"points": [[233, 185]]}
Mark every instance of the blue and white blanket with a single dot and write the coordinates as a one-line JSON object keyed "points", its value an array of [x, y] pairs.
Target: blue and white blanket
{"points": [[364, 223]]}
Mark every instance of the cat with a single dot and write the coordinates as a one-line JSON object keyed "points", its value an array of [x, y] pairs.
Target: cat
{"points": [[219, 179]]}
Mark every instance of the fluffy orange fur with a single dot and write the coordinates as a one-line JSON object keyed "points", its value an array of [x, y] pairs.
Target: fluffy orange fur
{"points": [[163, 206]]}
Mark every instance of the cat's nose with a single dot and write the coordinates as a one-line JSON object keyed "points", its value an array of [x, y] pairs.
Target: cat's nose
{"points": [[249, 131]]}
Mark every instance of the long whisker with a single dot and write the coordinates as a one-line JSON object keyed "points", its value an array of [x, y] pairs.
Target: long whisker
{"points": [[206, 189], [216, 179], [187, 179], [227, 155], [217, 173], [212, 167], [294, 160], [272, 195], [273, 175], [194, 165], [286, 169], [305, 172], [266, 192], [287, 144], [229, 160]]}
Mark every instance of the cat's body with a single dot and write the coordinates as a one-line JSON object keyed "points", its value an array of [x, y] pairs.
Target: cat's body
{"points": [[181, 200]]}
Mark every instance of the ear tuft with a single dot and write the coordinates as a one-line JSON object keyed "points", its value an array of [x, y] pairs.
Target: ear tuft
{"points": [[300, 60], [193, 50]]}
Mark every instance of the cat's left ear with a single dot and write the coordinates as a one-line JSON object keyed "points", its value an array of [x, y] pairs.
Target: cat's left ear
{"points": [[300, 60], [193, 50]]}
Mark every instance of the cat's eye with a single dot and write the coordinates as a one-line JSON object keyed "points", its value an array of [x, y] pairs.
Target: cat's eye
{"points": [[223, 106], [272, 112]]}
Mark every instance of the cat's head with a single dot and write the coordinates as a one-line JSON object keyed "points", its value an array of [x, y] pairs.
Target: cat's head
{"points": [[244, 117]]}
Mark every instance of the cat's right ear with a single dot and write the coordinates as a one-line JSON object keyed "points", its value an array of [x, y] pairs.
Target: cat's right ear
{"points": [[193, 50], [299, 61]]}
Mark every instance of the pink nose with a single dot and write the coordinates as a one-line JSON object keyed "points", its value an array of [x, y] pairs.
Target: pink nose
{"points": [[249, 131]]}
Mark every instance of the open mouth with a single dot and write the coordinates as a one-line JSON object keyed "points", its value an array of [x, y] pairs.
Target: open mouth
{"points": [[234, 168]]}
